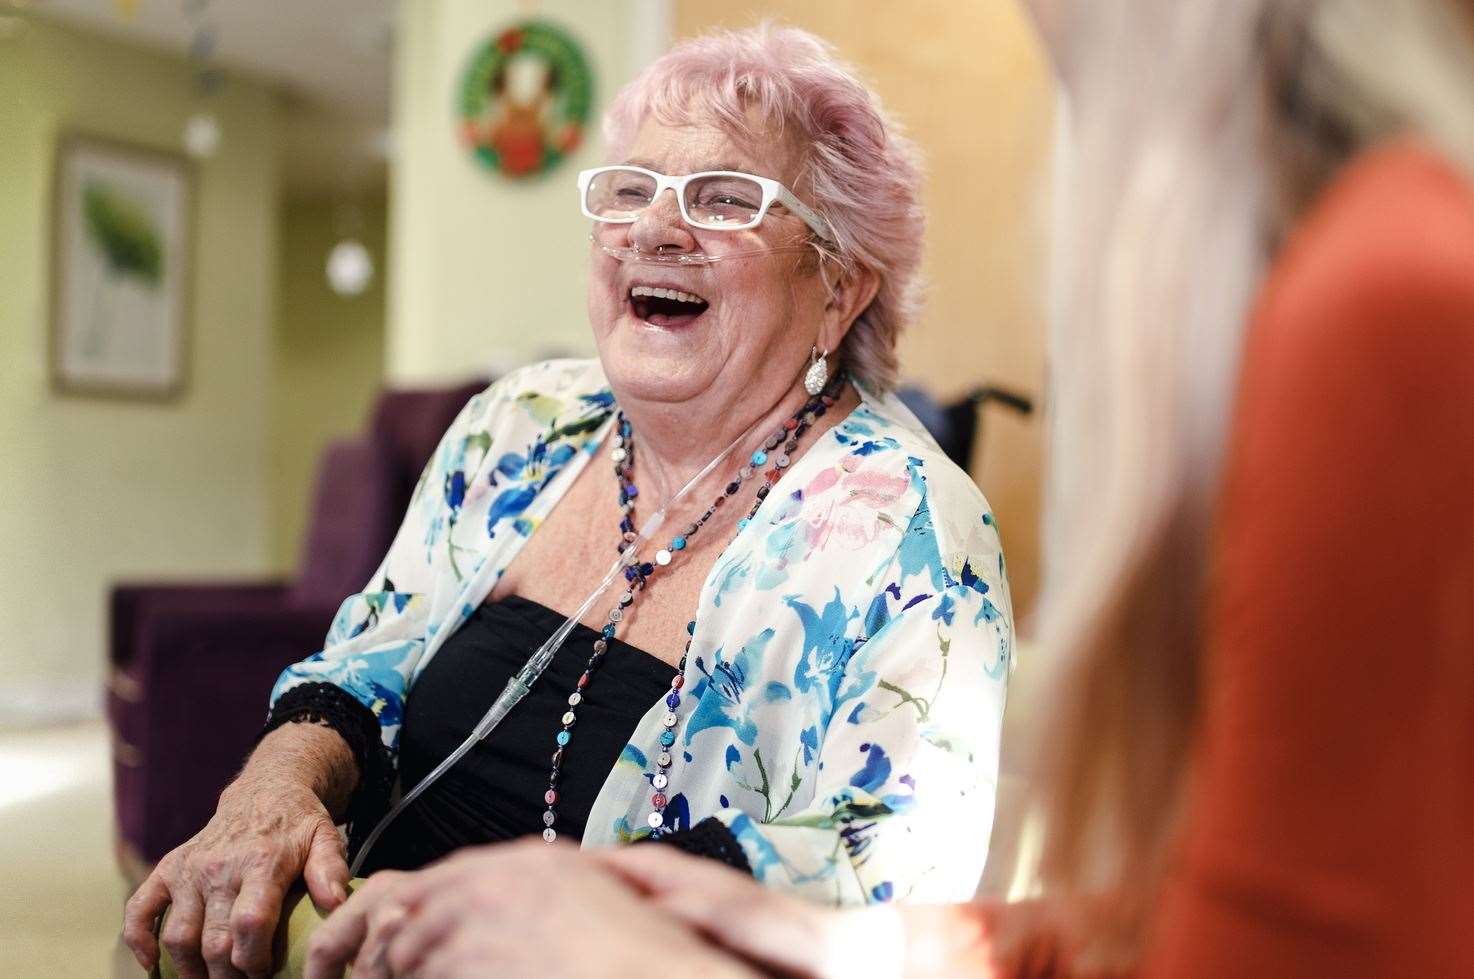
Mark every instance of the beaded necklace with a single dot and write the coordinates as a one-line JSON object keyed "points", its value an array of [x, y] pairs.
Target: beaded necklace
{"points": [[638, 573]]}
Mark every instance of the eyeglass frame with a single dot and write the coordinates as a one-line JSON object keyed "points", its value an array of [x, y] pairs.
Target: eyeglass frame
{"points": [[773, 192]]}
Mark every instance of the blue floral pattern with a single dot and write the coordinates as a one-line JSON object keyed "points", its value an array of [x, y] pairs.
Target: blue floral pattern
{"points": [[850, 659]]}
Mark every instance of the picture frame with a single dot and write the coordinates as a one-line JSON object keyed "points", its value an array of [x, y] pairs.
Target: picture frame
{"points": [[122, 261]]}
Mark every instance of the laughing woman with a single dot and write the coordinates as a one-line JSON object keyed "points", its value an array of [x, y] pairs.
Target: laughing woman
{"points": [[802, 675]]}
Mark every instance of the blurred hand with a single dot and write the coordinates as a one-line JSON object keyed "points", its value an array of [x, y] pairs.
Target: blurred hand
{"points": [[781, 933], [227, 883], [516, 909], [976, 940]]}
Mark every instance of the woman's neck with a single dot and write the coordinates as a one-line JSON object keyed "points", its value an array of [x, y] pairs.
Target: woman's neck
{"points": [[676, 440]]}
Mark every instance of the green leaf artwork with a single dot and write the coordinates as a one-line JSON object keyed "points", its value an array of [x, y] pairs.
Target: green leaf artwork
{"points": [[128, 237]]}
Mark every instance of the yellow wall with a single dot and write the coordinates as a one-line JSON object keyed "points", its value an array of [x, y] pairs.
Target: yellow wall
{"points": [[329, 357], [94, 491], [969, 82], [487, 273]]}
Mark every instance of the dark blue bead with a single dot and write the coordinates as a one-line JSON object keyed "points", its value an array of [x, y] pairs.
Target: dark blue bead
{"points": [[673, 700], [609, 631], [631, 490], [691, 628], [647, 569], [629, 574]]}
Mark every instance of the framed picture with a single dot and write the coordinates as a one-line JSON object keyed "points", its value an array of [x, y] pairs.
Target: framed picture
{"points": [[121, 266]]}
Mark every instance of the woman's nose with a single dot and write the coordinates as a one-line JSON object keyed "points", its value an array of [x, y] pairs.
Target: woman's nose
{"points": [[660, 226]]}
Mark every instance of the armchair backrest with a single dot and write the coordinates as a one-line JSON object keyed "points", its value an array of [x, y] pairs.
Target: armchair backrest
{"points": [[352, 521], [408, 424], [364, 485]]}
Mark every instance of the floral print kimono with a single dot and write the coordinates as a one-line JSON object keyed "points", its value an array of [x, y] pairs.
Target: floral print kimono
{"points": [[850, 658]]}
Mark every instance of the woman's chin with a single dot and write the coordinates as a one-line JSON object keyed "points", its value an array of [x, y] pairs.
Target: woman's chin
{"points": [[655, 380], [660, 362], [656, 377]]}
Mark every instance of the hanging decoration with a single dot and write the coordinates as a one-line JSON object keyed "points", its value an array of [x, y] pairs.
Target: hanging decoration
{"points": [[350, 268], [525, 99], [350, 265], [201, 134]]}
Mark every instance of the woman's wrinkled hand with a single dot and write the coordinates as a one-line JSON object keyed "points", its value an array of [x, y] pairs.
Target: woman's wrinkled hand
{"points": [[515, 909], [227, 883]]}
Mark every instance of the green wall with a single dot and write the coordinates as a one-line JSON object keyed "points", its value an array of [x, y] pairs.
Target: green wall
{"points": [[94, 491], [329, 357]]}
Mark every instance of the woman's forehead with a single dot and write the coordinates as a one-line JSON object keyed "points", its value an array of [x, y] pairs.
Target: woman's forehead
{"points": [[692, 146]]}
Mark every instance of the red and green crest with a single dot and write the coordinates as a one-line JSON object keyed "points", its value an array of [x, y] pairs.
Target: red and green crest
{"points": [[525, 99]]}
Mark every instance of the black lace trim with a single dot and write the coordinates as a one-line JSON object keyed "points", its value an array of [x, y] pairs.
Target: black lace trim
{"points": [[333, 707], [709, 838]]}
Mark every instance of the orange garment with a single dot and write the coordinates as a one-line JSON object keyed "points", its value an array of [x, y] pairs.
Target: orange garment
{"points": [[1330, 831]]}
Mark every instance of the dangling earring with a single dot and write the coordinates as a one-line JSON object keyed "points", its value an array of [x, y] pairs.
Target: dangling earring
{"points": [[818, 372]]}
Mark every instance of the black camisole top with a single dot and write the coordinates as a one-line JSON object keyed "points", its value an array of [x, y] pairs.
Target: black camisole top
{"points": [[496, 792]]}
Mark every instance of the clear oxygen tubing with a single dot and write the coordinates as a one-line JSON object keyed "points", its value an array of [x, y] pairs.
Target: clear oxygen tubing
{"points": [[629, 253], [521, 682]]}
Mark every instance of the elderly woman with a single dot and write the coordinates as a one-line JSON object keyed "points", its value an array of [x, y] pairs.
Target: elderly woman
{"points": [[802, 673]]}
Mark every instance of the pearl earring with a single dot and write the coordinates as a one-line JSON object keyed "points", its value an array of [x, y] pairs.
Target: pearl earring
{"points": [[818, 371]]}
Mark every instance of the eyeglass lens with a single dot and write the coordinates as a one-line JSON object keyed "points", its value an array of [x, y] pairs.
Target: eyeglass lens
{"points": [[709, 202]]}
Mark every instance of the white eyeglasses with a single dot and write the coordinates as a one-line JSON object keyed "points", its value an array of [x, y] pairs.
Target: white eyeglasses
{"points": [[715, 200]]}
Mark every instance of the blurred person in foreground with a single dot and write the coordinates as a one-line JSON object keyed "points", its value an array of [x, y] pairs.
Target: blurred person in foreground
{"points": [[1260, 756], [801, 677]]}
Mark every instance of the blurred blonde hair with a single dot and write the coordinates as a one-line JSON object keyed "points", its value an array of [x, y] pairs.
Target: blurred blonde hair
{"points": [[1200, 131]]}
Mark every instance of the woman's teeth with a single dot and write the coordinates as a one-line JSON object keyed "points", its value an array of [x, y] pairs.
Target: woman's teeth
{"points": [[659, 306], [640, 292]]}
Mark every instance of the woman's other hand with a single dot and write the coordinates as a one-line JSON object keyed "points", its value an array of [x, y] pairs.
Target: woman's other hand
{"points": [[781, 933], [978, 940], [509, 909], [227, 883]]}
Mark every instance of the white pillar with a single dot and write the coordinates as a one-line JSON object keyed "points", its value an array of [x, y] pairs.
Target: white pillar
{"points": [[486, 272]]}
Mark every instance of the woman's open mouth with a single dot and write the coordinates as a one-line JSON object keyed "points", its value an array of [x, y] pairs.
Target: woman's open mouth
{"points": [[666, 307]]}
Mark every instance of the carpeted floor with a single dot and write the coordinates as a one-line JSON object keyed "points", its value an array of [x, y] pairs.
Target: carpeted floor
{"points": [[62, 897]]}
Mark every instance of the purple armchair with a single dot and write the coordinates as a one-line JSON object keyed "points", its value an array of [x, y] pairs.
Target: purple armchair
{"points": [[192, 665]]}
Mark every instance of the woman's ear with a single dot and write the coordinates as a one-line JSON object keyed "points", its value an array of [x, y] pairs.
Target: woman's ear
{"points": [[848, 298]]}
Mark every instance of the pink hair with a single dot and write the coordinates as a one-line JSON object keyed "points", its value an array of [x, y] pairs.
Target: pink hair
{"points": [[859, 170]]}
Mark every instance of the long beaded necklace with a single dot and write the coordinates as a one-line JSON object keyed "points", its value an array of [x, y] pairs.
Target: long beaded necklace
{"points": [[778, 450]]}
